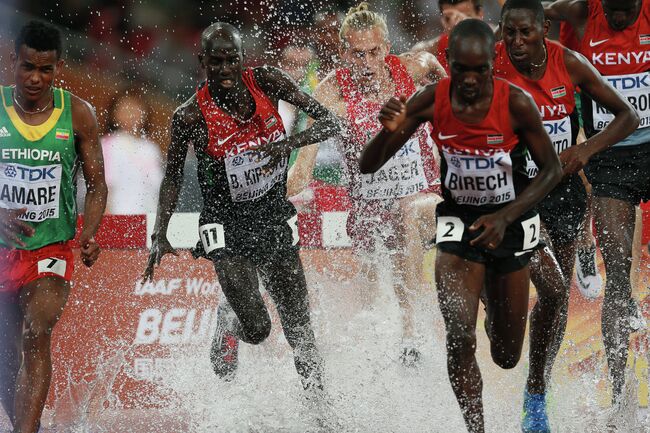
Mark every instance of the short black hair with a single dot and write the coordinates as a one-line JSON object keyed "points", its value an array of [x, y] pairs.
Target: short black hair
{"points": [[478, 4], [470, 28], [40, 36], [532, 5], [220, 30]]}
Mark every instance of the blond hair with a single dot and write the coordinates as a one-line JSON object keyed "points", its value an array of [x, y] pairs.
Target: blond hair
{"points": [[361, 18]]}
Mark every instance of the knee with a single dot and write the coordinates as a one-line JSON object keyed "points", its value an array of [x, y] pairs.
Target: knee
{"points": [[258, 332], [506, 358], [461, 345]]}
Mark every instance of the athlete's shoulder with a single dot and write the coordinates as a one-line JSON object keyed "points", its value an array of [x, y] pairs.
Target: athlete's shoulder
{"points": [[430, 45], [420, 64], [519, 99], [189, 112], [83, 113]]}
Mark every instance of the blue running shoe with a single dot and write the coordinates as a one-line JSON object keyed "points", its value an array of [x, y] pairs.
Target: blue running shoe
{"points": [[535, 418]]}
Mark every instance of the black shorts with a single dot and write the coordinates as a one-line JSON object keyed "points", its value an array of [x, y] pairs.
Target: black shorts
{"points": [[219, 241], [622, 173], [563, 210], [520, 240]]}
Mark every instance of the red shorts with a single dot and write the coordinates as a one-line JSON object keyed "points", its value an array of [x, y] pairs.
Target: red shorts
{"points": [[20, 267]]}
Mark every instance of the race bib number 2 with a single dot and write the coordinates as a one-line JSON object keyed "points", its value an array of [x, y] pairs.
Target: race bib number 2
{"points": [[449, 229], [531, 232]]}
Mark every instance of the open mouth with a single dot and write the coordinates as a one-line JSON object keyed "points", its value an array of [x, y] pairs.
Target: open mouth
{"points": [[518, 56], [227, 82]]}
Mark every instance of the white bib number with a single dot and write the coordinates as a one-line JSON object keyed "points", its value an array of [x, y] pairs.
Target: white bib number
{"points": [[52, 265], [250, 177], [636, 89], [479, 180], [401, 176], [212, 237], [560, 133], [531, 232], [449, 229], [293, 224], [35, 188]]}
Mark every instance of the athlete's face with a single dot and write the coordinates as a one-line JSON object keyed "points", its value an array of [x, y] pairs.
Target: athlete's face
{"points": [[222, 61], [364, 51], [523, 36], [453, 14], [34, 72], [621, 14], [470, 63]]}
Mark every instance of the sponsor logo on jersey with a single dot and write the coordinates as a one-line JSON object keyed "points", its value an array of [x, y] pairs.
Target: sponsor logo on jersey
{"points": [[62, 134], [494, 139], [4, 133], [558, 92], [644, 39]]}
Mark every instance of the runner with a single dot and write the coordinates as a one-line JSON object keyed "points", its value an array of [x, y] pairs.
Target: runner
{"points": [[44, 133], [247, 225], [487, 230], [383, 207], [550, 73], [613, 36], [451, 13]]}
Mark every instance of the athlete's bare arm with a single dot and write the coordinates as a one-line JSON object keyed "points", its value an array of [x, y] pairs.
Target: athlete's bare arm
{"points": [[11, 227], [527, 123], [187, 126], [575, 12], [400, 119], [430, 46], [278, 85], [300, 174], [89, 148], [423, 67], [625, 121]]}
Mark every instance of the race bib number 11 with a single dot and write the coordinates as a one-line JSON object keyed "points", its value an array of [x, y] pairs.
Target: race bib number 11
{"points": [[212, 237]]}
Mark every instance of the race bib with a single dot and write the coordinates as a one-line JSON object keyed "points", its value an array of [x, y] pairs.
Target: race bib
{"points": [[560, 133], [250, 177], [479, 180], [449, 229], [35, 188], [52, 265], [636, 89], [212, 237], [401, 176], [531, 232]]}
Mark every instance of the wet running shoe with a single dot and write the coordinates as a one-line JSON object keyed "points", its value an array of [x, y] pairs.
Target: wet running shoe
{"points": [[224, 353], [535, 418], [590, 283], [410, 356]]}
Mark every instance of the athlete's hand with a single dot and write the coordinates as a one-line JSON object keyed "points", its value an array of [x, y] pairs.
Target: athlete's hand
{"points": [[11, 227], [494, 227], [393, 113], [575, 158], [159, 247], [89, 249]]}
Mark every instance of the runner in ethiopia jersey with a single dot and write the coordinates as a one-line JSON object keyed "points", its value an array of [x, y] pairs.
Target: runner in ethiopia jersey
{"points": [[45, 133], [487, 227], [385, 205], [247, 225], [615, 38], [550, 73]]}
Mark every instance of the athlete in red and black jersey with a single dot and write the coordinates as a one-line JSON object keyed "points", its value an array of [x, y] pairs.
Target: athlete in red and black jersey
{"points": [[487, 228], [614, 36], [451, 13], [550, 73], [247, 225]]}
